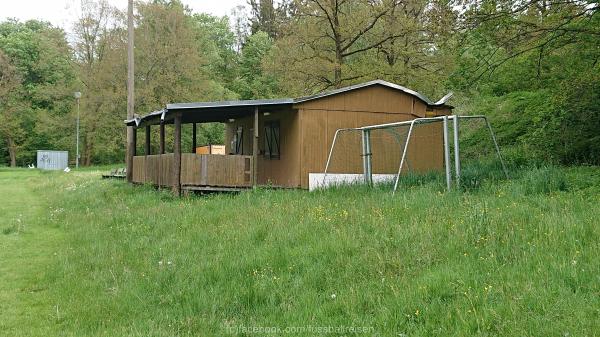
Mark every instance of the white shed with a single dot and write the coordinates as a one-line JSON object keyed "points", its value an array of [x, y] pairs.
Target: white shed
{"points": [[52, 160]]}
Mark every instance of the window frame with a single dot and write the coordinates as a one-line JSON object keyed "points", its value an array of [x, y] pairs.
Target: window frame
{"points": [[272, 139], [238, 137]]}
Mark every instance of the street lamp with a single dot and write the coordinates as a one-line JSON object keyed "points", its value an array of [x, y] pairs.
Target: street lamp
{"points": [[77, 96]]}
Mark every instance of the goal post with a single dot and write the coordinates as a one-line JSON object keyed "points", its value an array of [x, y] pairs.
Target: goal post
{"points": [[403, 134]]}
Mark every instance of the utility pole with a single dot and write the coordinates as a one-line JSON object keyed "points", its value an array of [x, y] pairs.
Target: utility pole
{"points": [[77, 96], [130, 98]]}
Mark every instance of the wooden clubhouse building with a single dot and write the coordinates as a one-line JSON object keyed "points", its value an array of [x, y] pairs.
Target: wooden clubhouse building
{"points": [[279, 142]]}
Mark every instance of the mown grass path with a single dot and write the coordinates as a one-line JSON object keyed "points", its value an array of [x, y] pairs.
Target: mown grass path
{"points": [[27, 254]]}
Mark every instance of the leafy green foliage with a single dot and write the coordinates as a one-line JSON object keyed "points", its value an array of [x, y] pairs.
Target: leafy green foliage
{"points": [[216, 42], [533, 69], [253, 82], [531, 66], [36, 111]]}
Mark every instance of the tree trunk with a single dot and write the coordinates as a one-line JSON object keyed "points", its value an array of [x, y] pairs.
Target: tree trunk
{"points": [[89, 149], [12, 152], [337, 72], [339, 58]]}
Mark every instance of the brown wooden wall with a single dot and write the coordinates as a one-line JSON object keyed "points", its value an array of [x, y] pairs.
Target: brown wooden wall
{"points": [[153, 169], [216, 170], [284, 171], [196, 170]]}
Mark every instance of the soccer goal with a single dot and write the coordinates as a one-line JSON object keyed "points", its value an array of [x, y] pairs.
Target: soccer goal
{"points": [[382, 153]]}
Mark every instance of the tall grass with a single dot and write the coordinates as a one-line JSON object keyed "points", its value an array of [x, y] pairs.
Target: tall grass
{"points": [[500, 257]]}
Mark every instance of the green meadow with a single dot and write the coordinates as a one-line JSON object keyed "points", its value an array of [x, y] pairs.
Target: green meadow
{"points": [[82, 256]]}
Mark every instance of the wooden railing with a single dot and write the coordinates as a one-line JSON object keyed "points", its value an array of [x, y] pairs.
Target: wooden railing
{"points": [[196, 170]]}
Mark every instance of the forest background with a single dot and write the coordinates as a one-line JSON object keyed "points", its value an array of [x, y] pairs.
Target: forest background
{"points": [[531, 66]]}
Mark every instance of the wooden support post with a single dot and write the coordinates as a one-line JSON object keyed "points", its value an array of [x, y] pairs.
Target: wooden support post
{"points": [[147, 143], [193, 137], [130, 152], [162, 138], [130, 99], [255, 150], [133, 146], [177, 157]]}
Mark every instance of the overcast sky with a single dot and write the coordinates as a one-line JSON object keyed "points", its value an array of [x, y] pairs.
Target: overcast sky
{"points": [[63, 12]]}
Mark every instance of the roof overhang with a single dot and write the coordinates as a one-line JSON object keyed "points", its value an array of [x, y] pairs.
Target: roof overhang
{"points": [[206, 112]]}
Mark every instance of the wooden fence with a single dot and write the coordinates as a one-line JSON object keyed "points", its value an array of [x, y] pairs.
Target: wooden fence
{"points": [[196, 170]]}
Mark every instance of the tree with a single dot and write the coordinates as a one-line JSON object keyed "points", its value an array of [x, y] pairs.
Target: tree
{"points": [[42, 58], [253, 82], [179, 57], [10, 128], [241, 26], [216, 43], [333, 32], [170, 66], [267, 17], [532, 67], [423, 51], [99, 51], [500, 31]]}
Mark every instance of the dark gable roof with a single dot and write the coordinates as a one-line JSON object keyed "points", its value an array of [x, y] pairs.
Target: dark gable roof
{"points": [[225, 105]]}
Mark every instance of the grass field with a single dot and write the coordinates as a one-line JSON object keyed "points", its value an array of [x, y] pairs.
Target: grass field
{"points": [[81, 256]]}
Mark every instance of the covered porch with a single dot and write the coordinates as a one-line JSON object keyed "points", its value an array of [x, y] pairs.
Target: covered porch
{"points": [[183, 169]]}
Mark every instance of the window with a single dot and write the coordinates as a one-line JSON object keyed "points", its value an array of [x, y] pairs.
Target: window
{"points": [[237, 143], [272, 140]]}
